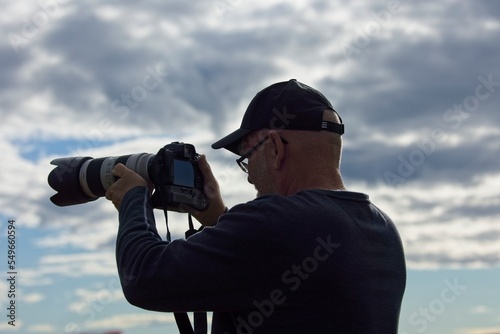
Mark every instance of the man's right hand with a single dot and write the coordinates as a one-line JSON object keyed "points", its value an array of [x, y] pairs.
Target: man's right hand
{"points": [[216, 207]]}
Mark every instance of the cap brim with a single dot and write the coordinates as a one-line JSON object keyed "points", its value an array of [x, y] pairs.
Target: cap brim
{"points": [[232, 141]]}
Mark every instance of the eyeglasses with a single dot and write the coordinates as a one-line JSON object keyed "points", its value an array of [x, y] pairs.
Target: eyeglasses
{"points": [[243, 160]]}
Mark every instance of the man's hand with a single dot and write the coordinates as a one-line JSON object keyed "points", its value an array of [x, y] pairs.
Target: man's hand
{"points": [[216, 207], [128, 179]]}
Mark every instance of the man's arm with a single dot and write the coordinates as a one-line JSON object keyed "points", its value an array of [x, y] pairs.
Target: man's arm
{"points": [[216, 269]]}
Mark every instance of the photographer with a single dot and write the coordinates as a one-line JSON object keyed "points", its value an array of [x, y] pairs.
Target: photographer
{"points": [[306, 256]]}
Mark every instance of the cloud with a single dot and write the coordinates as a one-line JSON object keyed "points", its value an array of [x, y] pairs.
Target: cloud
{"points": [[53, 267], [481, 309], [41, 328], [95, 300], [481, 330], [33, 298], [436, 228], [143, 320], [4, 326]]}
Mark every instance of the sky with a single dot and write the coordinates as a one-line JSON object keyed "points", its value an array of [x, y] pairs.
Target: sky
{"points": [[417, 84]]}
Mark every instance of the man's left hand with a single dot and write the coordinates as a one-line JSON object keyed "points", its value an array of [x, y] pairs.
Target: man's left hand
{"points": [[128, 179]]}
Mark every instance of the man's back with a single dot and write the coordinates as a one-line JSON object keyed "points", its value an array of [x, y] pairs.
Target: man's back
{"points": [[336, 263]]}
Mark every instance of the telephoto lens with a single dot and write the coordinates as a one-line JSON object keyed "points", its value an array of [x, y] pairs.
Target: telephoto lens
{"points": [[83, 179]]}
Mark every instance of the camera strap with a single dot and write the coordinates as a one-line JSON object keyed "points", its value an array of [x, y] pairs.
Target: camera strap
{"points": [[181, 318], [159, 182], [184, 324]]}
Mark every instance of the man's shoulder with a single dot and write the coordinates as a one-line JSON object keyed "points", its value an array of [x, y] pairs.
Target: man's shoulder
{"points": [[306, 203], [313, 196]]}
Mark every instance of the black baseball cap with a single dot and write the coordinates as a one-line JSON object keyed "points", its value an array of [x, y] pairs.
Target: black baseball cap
{"points": [[288, 105]]}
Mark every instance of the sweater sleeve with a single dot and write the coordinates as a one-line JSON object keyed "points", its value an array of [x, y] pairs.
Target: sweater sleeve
{"points": [[214, 270]]}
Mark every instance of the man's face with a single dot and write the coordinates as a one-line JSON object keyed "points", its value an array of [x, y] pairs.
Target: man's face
{"points": [[258, 173]]}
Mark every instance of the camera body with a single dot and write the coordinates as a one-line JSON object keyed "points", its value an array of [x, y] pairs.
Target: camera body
{"points": [[173, 171], [177, 179]]}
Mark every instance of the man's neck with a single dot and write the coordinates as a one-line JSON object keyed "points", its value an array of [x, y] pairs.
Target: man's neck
{"points": [[311, 181]]}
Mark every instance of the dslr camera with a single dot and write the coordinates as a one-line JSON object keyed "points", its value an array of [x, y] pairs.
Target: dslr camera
{"points": [[173, 171]]}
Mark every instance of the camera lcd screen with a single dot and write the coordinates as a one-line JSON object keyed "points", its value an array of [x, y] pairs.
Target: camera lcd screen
{"points": [[183, 173]]}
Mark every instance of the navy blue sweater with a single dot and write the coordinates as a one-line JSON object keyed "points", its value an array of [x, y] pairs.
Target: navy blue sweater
{"points": [[315, 262]]}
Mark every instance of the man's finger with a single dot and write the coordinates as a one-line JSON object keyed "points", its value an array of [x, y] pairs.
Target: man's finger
{"points": [[109, 193], [205, 169], [119, 170]]}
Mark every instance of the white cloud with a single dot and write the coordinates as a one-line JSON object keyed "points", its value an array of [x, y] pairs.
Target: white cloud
{"points": [[96, 300], [434, 225], [42, 328], [143, 320], [480, 330], [6, 328], [481, 309], [52, 267], [32, 298]]}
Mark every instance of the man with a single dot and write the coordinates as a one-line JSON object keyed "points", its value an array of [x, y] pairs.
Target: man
{"points": [[306, 256]]}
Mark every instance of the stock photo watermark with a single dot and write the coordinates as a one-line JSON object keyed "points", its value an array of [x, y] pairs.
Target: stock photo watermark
{"points": [[11, 273], [280, 120], [30, 26], [453, 118], [381, 19], [94, 305], [223, 7], [293, 278], [120, 110], [151, 81], [430, 313]]}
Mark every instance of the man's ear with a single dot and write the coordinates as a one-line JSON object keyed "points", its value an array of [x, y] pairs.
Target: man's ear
{"points": [[278, 153]]}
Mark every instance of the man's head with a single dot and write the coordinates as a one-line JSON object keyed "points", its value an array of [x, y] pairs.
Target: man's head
{"points": [[290, 137], [289, 105]]}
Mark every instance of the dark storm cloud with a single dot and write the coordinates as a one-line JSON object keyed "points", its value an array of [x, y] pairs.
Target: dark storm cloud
{"points": [[395, 86], [423, 161], [98, 56], [94, 58], [411, 84], [8, 67], [411, 77], [474, 211], [489, 9], [418, 82]]}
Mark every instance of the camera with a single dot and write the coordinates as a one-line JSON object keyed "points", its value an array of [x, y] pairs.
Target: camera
{"points": [[173, 171]]}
